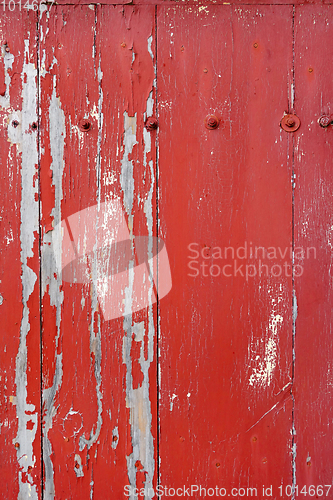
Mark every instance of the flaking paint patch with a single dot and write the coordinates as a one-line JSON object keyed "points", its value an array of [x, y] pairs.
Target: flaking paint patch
{"points": [[137, 400], [28, 231], [95, 337], [51, 276], [262, 374], [126, 176], [8, 60]]}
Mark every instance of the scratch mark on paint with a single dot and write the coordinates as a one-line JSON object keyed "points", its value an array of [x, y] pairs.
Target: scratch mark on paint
{"points": [[51, 274], [29, 229]]}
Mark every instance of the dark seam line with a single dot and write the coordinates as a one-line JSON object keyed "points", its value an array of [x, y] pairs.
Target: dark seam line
{"points": [[293, 265], [157, 278], [40, 260]]}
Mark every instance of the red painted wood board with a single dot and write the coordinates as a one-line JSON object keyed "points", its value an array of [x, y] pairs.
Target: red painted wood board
{"points": [[99, 380], [214, 386], [19, 274], [225, 340], [313, 230]]}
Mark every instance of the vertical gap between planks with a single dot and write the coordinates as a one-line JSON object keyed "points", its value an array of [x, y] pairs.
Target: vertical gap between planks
{"points": [[294, 302], [40, 235], [157, 302]]}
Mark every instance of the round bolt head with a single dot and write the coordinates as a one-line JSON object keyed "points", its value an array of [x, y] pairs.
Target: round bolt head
{"points": [[84, 125], [290, 123], [151, 123], [211, 122], [325, 121]]}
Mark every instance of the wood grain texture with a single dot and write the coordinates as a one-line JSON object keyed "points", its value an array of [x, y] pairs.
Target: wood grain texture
{"points": [[227, 381], [313, 229], [100, 409], [225, 341], [19, 309]]}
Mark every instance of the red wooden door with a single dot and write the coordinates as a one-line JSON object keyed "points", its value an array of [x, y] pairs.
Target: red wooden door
{"points": [[197, 364]]}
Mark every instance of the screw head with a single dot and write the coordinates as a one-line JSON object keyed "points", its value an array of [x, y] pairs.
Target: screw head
{"points": [[290, 122], [84, 125], [151, 123], [325, 121], [211, 122]]}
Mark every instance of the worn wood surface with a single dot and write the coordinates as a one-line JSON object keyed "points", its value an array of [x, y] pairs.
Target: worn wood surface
{"points": [[19, 274], [225, 345], [226, 381], [313, 229]]}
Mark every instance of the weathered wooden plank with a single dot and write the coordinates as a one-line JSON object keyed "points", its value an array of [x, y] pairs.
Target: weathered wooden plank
{"points": [[19, 273], [100, 408], [127, 62], [313, 231], [71, 396], [226, 340]]}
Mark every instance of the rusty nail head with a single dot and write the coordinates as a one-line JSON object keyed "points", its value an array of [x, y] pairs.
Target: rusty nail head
{"points": [[17, 445], [211, 122], [115, 438], [34, 126], [67, 439], [15, 123], [7, 49], [255, 45], [218, 464], [123, 45], [325, 121], [205, 70], [77, 465], [310, 70], [84, 125], [182, 48], [151, 123], [290, 122]]}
